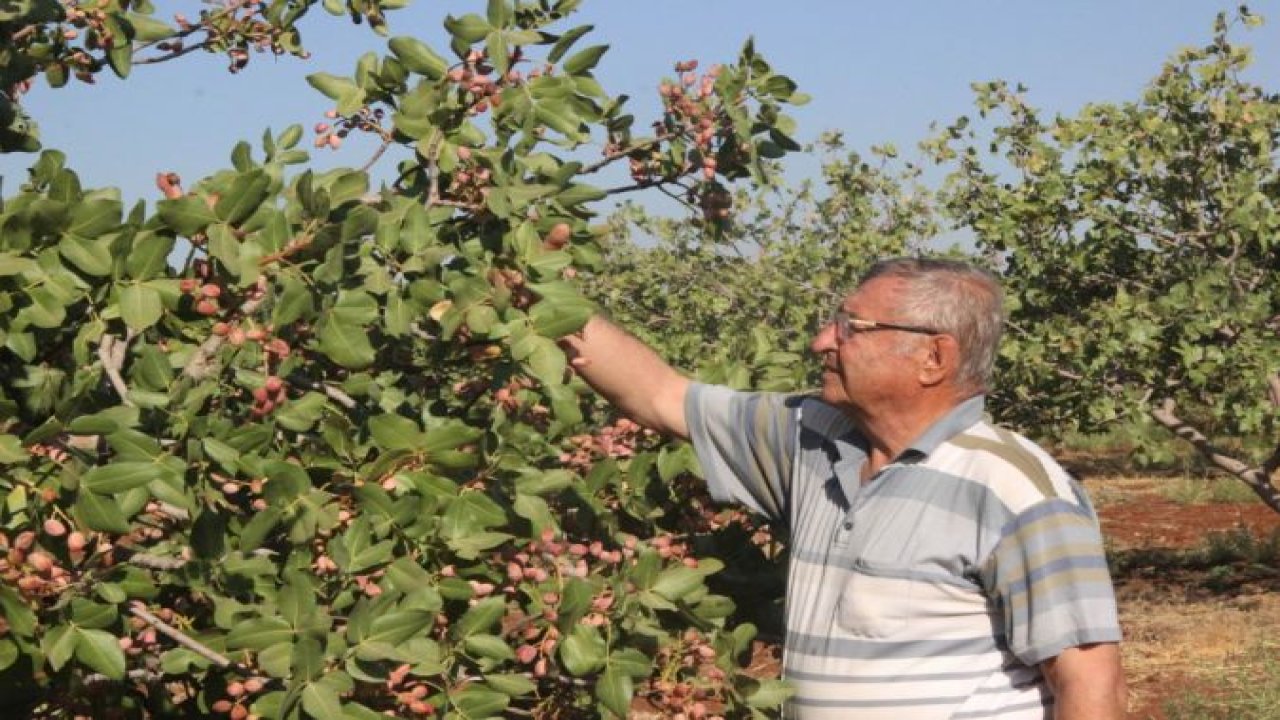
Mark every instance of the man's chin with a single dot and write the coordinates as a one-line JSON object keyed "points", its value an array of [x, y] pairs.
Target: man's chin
{"points": [[831, 393]]}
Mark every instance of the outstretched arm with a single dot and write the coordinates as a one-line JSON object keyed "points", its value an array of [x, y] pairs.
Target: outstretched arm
{"points": [[630, 375]]}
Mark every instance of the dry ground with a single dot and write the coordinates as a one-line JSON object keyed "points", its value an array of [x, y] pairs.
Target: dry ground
{"points": [[1185, 620]]}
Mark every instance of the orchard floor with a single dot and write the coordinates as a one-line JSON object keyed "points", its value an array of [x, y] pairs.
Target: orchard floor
{"points": [[1185, 621]]}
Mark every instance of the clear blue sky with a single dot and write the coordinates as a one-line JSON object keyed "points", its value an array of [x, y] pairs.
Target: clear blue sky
{"points": [[879, 71]]}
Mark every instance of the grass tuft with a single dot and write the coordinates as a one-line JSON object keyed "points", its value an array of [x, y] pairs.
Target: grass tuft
{"points": [[1247, 688]]}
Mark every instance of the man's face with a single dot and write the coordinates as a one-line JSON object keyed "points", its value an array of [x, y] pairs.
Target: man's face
{"points": [[872, 367]]}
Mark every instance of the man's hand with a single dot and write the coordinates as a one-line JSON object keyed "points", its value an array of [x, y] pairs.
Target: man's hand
{"points": [[629, 375], [1087, 683]]}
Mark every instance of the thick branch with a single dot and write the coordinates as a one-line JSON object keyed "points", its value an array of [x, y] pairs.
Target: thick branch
{"points": [[111, 351], [1272, 465], [1256, 478]]}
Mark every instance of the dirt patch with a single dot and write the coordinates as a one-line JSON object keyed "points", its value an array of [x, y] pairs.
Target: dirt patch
{"points": [[1190, 608]]}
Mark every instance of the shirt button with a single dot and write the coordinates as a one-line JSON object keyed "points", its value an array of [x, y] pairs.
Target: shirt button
{"points": [[848, 526]]}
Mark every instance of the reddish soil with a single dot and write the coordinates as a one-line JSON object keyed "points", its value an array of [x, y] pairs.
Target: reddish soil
{"points": [[1149, 521], [1176, 576]]}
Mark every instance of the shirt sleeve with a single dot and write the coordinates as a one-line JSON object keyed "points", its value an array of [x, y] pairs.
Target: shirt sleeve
{"points": [[1048, 574], [746, 444]]}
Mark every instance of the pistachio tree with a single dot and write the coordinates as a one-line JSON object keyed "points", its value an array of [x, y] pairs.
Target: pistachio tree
{"points": [[1138, 241], [288, 444]]}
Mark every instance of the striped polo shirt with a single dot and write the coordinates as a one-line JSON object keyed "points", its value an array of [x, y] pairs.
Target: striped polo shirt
{"points": [[934, 589]]}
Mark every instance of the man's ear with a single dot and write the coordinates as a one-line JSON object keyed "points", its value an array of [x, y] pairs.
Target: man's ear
{"points": [[941, 360]]}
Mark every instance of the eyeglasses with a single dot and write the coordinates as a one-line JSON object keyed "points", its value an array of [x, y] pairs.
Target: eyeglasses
{"points": [[847, 325]]}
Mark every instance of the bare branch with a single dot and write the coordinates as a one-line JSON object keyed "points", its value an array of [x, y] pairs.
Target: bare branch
{"points": [[139, 611], [156, 562], [613, 157], [1256, 478], [185, 49], [111, 350], [386, 143], [330, 391]]}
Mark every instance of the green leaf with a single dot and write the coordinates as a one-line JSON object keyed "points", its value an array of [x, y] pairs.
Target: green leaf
{"points": [[546, 361], [59, 644], [397, 627], [244, 197], [615, 689], [8, 653], [499, 54], [149, 256], [537, 482], [476, 702], [448, 436], [120, 57], [582, 652], [22, 621], [566, 41], [481, 617], [395, 432], [99, 512], [148, 29], [469, 28], [768, 693], [294, 302], [100, 651], [511, 684], [187, 215], [332, 86], [89, 614], [140, 306], [584, 59], [120, 476], [301, 414], [579, 193], [676, 582], [487, 646], [557, 318], [260, 633], [12, 451], [321, 702], [418, 57], [347, 344], [306, 662], [95, 217], [91, 257]]}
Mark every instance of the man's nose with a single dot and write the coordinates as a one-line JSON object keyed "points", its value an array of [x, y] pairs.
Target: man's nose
{"points": [[825, 340]]}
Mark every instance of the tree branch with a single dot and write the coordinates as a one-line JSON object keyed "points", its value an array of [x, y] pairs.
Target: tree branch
{"points": [[201, 365], [139, 611], [613, 157], [386, 143], [111, 350], [1256, 478], [172, 55]]}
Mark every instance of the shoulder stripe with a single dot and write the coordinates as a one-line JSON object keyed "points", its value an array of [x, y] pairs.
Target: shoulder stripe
{"points": [[1007, 448]]}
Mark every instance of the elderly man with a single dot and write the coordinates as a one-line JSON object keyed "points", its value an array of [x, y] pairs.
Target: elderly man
{"points": [[942, 567]]}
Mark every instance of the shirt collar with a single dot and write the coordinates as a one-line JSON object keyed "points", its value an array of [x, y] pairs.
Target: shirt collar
{"points": [[851, 446], [953, 423]]}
